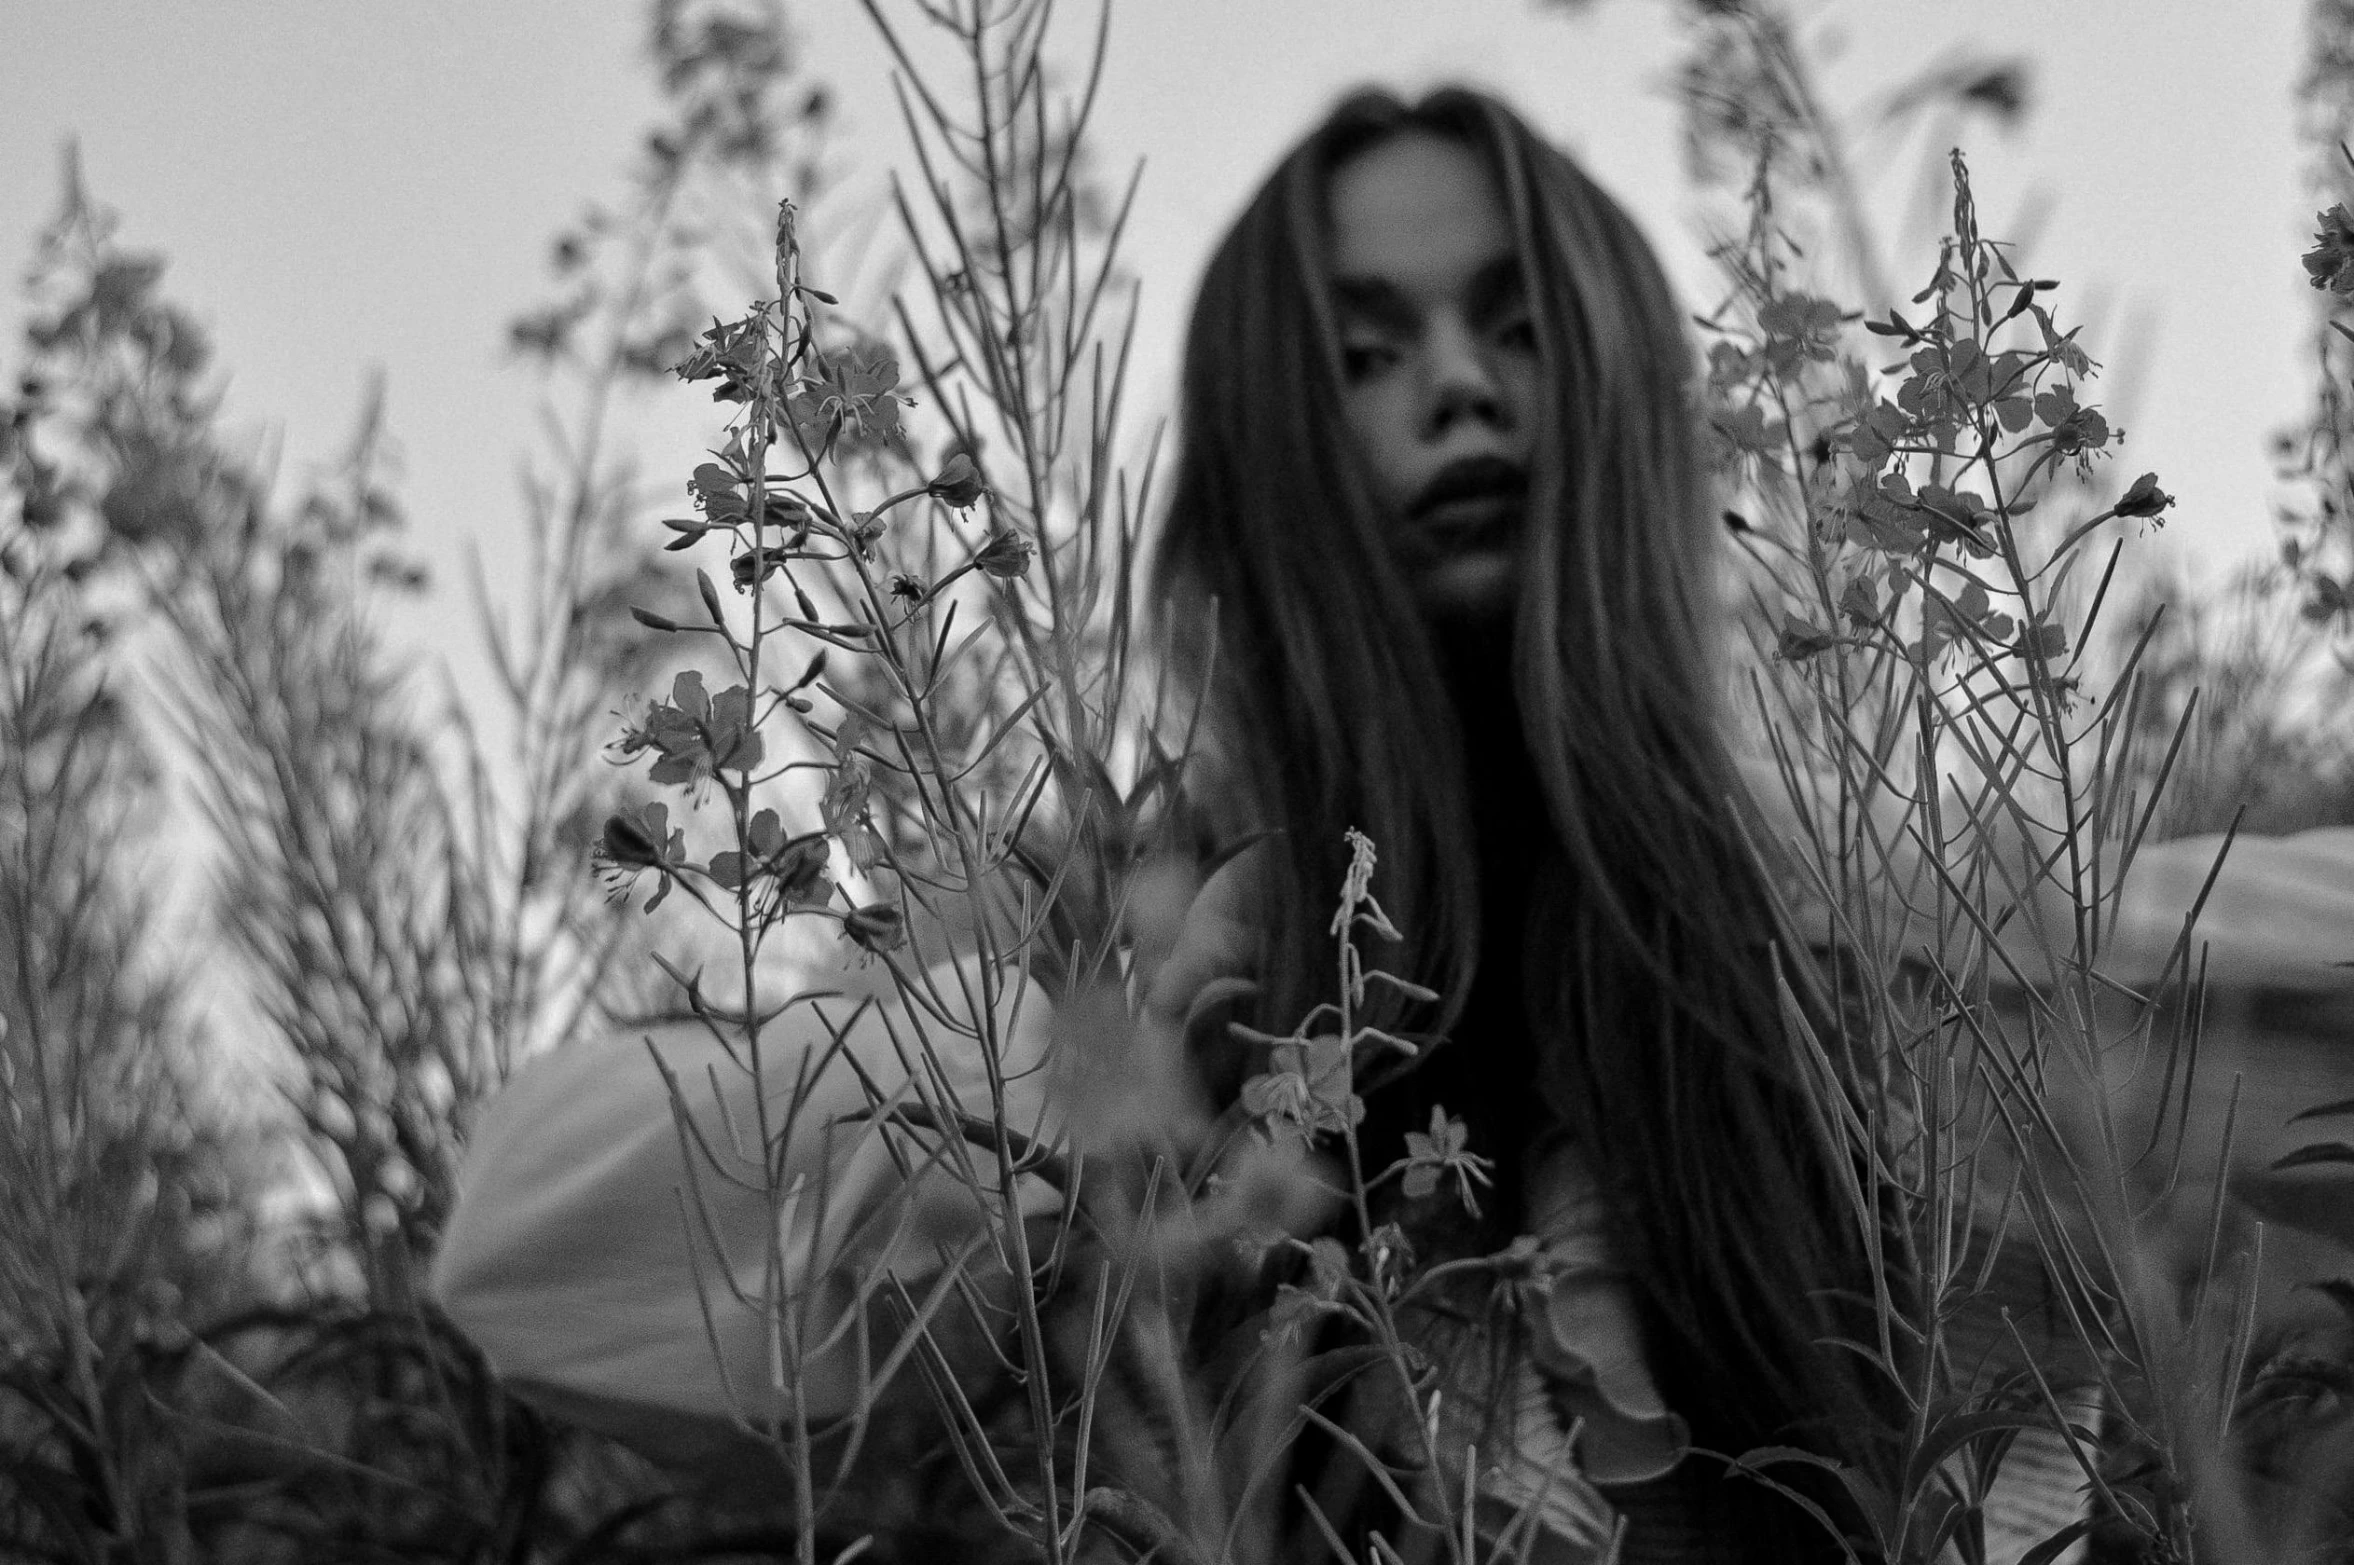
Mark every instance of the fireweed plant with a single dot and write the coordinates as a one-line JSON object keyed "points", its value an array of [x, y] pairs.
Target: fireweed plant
{"points": [[907, 678], [1963, 788]]}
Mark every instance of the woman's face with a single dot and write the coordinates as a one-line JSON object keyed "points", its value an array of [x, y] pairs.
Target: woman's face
{"points": [[1439, 360]]}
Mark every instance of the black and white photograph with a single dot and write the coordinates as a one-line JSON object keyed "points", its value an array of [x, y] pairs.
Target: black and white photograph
{"points": [[1211, 782]]}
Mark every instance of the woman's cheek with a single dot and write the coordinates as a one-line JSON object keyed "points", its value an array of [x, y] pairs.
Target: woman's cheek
{"points": [[1381, 415]]}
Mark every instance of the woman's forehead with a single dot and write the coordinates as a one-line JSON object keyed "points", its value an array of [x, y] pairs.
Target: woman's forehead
{"points": [[1417, 212]]}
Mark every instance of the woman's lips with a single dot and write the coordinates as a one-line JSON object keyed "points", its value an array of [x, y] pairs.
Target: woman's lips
{"points": [[1470, 520], [1472, 504]]}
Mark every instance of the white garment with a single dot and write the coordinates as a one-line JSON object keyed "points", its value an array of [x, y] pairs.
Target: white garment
{"points": [[2279, 916], [635, 1287]]}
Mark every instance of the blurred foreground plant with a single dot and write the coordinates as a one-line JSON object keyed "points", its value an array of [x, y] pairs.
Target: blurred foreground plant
{"points": [[1966, 789], [120, 1179], [183, 1378]]}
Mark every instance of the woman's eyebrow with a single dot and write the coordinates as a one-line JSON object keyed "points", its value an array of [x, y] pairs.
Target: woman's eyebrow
{"points": [[1496, 286], [1373, 299]]}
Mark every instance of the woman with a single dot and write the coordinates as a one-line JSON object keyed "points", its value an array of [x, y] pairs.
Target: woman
{"points": [[1439, 479], [1439, 493]]}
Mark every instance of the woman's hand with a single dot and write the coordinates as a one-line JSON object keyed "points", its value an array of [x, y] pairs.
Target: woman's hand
{"points": [[1212, 958]]}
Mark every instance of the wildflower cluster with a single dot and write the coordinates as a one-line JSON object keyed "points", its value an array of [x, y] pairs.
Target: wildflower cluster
{"points": [[1309, 1094], [816, 407], [1310, 1089], [1983, 422], [2330, 263], [2318, 549]]}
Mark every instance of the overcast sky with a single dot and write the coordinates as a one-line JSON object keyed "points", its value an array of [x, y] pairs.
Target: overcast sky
{"points": [[373, 184]]}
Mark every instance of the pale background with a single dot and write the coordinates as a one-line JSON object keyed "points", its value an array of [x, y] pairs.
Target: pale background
{"points": [[368, 184]]}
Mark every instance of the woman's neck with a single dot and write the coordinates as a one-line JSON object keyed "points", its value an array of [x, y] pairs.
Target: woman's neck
{"points": [[1500, 779], [1486, 1073]]}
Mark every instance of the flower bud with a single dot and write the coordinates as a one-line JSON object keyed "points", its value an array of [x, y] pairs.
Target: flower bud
{"points": [[959, 482], [2330, 263], [877, 927], [800, 868], [1006, 555], [2145, 498], [626, 841], [796, 516], [762, 563]]}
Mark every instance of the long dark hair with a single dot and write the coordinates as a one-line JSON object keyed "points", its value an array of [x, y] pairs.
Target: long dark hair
{"points": [[1657, 963]]}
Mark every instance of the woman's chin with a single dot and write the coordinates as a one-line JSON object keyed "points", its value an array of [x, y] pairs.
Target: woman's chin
{"points": [[1476, 584]]}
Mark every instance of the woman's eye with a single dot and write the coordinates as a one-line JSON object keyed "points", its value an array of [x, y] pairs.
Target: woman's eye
{"points": [[1364, 360], [1519, 335]]}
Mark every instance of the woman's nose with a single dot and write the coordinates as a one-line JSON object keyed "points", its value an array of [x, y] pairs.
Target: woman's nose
{"points": [[1458, 384]]}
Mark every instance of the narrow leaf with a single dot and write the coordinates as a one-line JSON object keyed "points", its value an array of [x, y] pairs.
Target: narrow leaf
{"points": [[2319, 1153]]}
